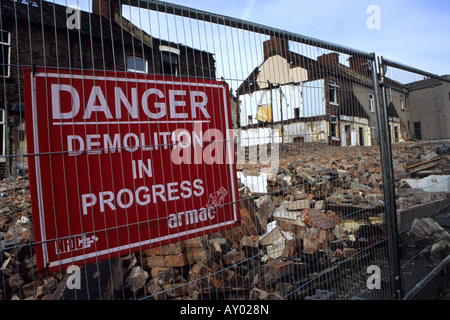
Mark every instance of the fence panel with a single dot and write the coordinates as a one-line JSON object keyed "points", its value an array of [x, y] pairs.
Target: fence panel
{"points": [[417, 104], [170, 153]]}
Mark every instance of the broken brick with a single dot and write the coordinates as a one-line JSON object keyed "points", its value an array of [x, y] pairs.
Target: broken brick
{"points": [[234, 257]]}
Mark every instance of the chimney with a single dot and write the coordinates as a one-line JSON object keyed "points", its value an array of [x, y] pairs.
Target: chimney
{"points": [[359, 64], [107, 9], [330, 59], [275, 46]]}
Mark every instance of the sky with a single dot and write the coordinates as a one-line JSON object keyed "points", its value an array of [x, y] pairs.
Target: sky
{"points": [[412, 32]]}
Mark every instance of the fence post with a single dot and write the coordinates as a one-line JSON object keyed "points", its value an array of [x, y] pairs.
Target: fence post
{"points": [[388, 176]]}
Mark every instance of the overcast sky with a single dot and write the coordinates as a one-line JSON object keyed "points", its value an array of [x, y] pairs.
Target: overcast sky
{"points": [[413, 32]]}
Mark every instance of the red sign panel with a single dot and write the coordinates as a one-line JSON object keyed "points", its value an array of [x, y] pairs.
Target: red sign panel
{"points": [[120, 162]]}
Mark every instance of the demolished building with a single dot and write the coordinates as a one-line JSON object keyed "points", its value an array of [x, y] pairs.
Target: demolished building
{"points": [[304, 99], [317, 100]]}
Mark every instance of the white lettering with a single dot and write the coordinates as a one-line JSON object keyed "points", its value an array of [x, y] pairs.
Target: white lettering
{"points": [[159, 193], [159, 105], [173, 104], [125, 205], [141, 168], [190, 217], [110, 146], [172, 190], [71, 145], [154, 103], [90, 143], [143, 195], [186, 189], [199, 105], [88, 200], [56, 101], [91, 104], [121, 98], [198, 185], [136, 142], [107, 201]]}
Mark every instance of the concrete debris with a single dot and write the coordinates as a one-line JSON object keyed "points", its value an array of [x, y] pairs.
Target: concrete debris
{"points": [[429, 236]]}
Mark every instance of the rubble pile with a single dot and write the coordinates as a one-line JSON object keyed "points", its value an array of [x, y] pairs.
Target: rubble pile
{"points": [[322, 205]]}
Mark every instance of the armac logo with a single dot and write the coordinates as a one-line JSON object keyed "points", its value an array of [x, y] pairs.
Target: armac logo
{"points": [[186, 218]]}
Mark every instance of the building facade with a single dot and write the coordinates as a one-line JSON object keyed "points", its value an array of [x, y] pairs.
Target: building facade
{"points": [[429, 104], [303, 99]]}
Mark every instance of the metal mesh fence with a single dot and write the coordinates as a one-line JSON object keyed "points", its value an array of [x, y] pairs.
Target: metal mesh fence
{"points": [[420, 169], [157, 152]]}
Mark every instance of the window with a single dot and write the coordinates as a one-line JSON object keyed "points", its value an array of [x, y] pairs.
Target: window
{"points": [[333, 126], [138, 65], [372, 103], [417, 131], [2, 135], [5, 50], [373, 130], [396, 135], [361, 136], [332, 92], [169, 60], [297, 113], [402, 102]]}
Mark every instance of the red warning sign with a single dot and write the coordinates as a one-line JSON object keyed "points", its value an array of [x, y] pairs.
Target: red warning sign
{"points": [[119, 162]]}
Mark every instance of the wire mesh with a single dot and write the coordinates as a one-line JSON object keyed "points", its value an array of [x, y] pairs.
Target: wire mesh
{"points": [[286, 201], [420, 170]]}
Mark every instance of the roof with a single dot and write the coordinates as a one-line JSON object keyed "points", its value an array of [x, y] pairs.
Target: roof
{"points": [[55, 15], [316, 70], [295, 60], [391, 111], [352, 107]]}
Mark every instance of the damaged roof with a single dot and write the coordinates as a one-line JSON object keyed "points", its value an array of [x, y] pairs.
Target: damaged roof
{"points": [[316, 70], [352, 107]]}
